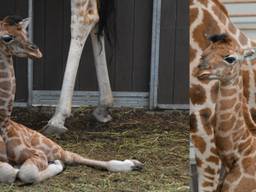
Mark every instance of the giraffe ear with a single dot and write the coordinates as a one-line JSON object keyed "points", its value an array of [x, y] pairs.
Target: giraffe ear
{"points": [[25, 23], [250, 54]]}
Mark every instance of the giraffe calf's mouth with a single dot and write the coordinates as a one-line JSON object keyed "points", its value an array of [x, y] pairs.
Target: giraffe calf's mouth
{"points": [[35, 54], [204, 75]]}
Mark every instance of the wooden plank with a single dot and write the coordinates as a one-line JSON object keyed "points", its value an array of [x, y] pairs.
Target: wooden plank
{"points": [[86, 73], [39, 39], [125, 44], [142, 45], [66, 10], [21, 8], [167, 52], [181, 68], [53, 44]]}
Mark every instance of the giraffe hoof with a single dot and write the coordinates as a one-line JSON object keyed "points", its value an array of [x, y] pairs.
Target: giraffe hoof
{"points": [[102, 115], [52, 129], [138, 166]]}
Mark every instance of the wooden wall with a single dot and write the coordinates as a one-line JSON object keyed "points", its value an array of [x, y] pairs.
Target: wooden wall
{"points": [[174, 55], [128, 59]]}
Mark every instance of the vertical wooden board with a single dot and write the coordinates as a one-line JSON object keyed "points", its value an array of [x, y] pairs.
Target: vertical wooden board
{"points": [[110, 49], [53, 45], [7, 8], [124, 46], [167, 51], [21, 8], [181, 72], [17, 7], [39, 39], [87, 75], [142, 45], [66, 10]]}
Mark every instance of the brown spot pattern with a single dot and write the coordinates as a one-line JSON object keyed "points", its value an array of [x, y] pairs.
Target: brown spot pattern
{"points": [[227, 125], [205, 115], [193, 123], [227, 103], [223, 143], [214, 92], [243, 39], [197, 94], [199, 143], [246, 84], [213, 159], [209, 26]]}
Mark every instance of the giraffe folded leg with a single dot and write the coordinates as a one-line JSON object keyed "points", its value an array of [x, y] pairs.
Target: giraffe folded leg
{"points": [[7, 172], [36, 169], [106, 99]]}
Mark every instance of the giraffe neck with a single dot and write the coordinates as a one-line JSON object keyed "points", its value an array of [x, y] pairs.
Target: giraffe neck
{"points": [[230, 126], [209, 18], [7, 89]]}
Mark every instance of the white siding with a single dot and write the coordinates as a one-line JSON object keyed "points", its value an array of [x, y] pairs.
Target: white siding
{"points": [[243, 15]]}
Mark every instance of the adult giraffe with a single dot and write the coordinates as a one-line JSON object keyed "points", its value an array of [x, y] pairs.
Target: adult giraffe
{"points": [[209, 17], [88, 17]]}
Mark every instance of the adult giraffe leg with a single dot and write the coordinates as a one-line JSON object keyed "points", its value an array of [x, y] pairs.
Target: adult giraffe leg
{"points": [[81, 26], [106, 98]]}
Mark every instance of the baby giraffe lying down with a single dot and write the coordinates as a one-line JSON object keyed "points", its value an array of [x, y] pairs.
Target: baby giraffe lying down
{"points": [[19, 145]]}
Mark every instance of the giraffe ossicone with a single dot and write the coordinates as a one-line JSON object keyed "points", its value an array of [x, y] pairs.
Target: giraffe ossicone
{"points": [[221, 61], [24, 147]]}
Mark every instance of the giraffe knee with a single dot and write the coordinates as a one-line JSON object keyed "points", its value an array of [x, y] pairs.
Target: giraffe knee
{"points": [[7, 173], [29, 173]]}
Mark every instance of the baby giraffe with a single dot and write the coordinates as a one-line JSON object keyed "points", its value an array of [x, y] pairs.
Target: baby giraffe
{"points": [[236, 145], [27, 148]]}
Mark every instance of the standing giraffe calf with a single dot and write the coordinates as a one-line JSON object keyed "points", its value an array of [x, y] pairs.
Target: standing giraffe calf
{"points": [[26, 148], [236, 145]]}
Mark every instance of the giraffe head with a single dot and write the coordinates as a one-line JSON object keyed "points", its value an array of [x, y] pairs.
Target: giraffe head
{"points": [[222, 59], [14, 40]]}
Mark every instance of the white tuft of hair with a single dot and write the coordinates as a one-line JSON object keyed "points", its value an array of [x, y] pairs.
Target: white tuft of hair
{"points": [[123, 166], [29, 173], [7, 173]]}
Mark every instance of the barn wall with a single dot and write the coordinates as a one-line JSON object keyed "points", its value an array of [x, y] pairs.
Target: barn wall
{"points": [[129, 62], [174, 58], [242, 14], [129, 58]]}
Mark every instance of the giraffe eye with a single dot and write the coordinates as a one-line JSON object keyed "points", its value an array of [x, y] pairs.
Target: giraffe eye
{"points": [[230, 59], [7, 38]]}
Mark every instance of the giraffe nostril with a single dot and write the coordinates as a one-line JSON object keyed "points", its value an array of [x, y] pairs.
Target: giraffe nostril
{"points": [[33, 46]]}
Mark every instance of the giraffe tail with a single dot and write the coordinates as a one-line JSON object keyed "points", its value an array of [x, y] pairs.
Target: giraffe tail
{"points": [[112, 165]]}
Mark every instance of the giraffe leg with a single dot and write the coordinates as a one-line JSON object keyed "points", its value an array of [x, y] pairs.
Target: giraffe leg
{"points": [[36, 169], [106, 98], [81, 26], [8, 173]]}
